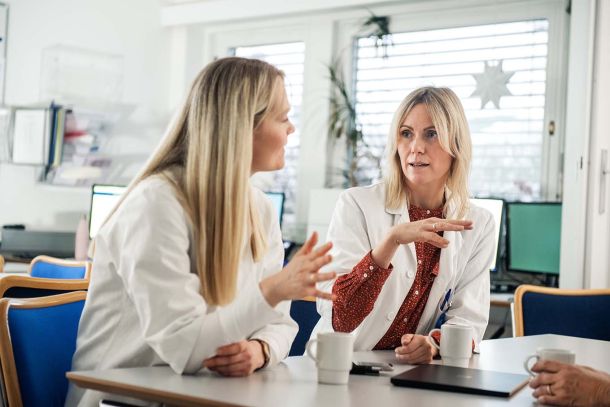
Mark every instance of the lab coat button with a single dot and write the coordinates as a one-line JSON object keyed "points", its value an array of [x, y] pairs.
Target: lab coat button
{"points": [[390, 316]]}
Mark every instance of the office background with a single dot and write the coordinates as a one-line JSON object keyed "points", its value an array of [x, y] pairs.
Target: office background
{"points": [[164, 44]]}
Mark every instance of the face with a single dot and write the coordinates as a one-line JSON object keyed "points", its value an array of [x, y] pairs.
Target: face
{"points": [[271, 135], [424, 163]]}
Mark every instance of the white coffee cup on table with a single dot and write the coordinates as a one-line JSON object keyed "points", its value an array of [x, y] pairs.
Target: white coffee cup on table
{"points": [[456, 344], [558, 355], [333, 355]]}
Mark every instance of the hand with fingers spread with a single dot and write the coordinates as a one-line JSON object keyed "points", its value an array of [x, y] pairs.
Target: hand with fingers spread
{"points": [[236, 359], [298, 279], [415, 349], [570, 385]]}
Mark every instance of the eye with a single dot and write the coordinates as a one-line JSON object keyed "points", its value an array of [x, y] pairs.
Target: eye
{"points": [[405, 133], [431, 134]]}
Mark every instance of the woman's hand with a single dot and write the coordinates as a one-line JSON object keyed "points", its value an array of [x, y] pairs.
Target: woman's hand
{"points": [[570, 385], [425, 230], [415, 349], [298, 279], [236, 359]]}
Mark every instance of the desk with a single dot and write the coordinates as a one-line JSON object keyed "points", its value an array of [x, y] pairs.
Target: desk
{"points": [[293, 382]]}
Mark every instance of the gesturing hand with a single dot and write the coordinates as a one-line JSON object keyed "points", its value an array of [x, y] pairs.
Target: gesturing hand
{"points": [[426, 230], [298, 279], [236, 359]]}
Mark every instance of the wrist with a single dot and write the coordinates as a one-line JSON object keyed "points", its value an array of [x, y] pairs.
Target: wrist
{"points": [[264, 353]]}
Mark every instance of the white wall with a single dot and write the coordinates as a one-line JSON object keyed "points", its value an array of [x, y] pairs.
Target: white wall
{"points": [[129, 28]]}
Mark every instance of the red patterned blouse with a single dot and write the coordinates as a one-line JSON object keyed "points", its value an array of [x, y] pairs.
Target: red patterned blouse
{"points": [[357, 291]]}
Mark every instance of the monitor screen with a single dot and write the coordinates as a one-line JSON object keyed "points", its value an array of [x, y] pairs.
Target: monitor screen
{"points": [[103, 200], [495, 206], [533, 236], [278, 203]]}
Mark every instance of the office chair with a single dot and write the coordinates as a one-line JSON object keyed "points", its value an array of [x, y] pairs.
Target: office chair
{"points": [[37, 341], [51, 267], [306, 316], [580, 313], [19, 286]]}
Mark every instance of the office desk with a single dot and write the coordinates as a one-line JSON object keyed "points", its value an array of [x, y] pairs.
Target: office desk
{"points": [[293, 382]]}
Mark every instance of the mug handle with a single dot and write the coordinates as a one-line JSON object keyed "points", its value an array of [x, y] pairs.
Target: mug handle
{"points": [[526, 364], [431, 339], [309, 351]]}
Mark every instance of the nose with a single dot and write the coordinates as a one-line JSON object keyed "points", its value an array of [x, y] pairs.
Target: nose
{"points": [[417, 145], [291, 128]]}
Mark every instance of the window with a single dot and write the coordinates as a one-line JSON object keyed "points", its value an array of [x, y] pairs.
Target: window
{"points": [[290, 58], [499, 71]]}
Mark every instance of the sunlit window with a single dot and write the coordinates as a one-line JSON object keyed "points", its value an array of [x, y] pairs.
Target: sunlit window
{"points": [[499, 73]]}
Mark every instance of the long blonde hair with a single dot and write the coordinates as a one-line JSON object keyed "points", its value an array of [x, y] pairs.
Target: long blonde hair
{"points": [[207, 156], [447, 114]]}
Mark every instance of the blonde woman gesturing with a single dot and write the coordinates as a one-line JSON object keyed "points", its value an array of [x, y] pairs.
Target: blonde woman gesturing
{"points": [[187, 270], [410, 251]]}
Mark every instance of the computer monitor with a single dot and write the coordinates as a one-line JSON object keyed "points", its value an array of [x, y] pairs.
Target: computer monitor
{"points": [[278, 203], [496, 207], [103, 199], [533, 236]]}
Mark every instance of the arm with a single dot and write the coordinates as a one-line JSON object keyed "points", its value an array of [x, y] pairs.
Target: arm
{"points": [[279, 333]]}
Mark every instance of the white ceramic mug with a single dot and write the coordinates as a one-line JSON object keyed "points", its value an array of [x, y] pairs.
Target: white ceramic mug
{"points": [[456, 344], [333, 356], [558, 355]]}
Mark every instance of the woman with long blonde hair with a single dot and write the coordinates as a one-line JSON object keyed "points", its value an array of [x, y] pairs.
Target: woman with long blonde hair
{"points": [[187, 269], [410, 251]]}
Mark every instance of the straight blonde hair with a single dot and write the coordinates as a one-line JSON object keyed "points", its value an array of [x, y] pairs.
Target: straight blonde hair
{"points": [[207, 156], [447, 114]]}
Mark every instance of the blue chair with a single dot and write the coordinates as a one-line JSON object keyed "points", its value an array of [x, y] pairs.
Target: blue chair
{"points": [[37, 341], [20, 286], [51, 267], [305, 314], [580, 313]]}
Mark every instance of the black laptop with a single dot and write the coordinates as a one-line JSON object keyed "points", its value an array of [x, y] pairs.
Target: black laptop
{"points": [[461, 380]]}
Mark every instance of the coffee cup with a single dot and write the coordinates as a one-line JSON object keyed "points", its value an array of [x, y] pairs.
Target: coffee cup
{"points": [[456, 344], [558, 355], [333, 355]]}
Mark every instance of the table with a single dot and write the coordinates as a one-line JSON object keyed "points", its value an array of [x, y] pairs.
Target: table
{"points": [[294, 382]]}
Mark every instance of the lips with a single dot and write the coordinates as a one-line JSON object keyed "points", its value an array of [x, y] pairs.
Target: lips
{"points": [[418, 164]]}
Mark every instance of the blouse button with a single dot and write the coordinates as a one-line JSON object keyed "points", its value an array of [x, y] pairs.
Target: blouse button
{"points": [[406, 320], [416, 292], [371, 267], [418, 261], [365, 275], [427, 211]]}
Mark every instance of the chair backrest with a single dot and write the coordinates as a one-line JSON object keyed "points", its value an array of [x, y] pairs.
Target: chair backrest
{"points": [[51, 267], [1, 264], [20, 286], [306, 316], [580, 313], [37, 342]]}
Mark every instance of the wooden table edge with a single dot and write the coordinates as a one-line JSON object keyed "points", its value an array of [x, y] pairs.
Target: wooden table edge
{"points": [[142, 393]]}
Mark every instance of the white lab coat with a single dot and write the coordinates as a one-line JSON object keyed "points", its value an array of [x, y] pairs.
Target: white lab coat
{"points": [[144, 307], [361, 221]]}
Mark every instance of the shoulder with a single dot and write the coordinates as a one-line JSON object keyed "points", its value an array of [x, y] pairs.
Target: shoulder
{"points": [[373, 194], [154, 194]]}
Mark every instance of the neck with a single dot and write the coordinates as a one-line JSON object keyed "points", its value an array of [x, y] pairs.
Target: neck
{"points": [[426, 197]]}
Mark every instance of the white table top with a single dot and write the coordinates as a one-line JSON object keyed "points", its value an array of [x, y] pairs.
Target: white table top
{"points": [[294, 381]]}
